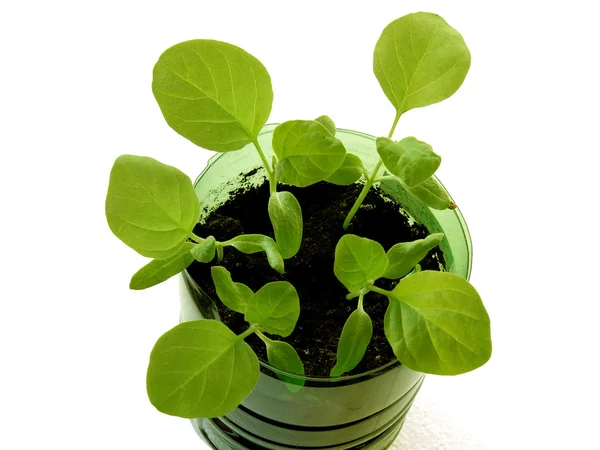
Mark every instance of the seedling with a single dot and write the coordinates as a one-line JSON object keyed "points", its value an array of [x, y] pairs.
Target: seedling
{"points": [[419, 60], [435, 322], [277, 300], [219, 97], [202, 369], [153, 208]]}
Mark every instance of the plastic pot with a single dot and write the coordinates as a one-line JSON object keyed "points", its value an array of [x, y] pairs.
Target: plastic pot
{"points": [[361, 411]]}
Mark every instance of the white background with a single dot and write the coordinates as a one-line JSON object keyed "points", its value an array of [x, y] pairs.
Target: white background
{"points": [[520, 152]]}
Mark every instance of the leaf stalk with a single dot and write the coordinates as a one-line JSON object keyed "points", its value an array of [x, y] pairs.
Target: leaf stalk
{"points": [[264, 338], [251, 329], [381, 291], [370, 180], [196, 238], [270, 172]]}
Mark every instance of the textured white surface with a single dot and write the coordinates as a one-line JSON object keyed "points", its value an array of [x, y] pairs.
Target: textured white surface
{"points": [[520, 150], [427, 428]]}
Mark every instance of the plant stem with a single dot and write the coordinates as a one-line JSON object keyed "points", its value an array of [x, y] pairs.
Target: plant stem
{"points": [[219, 248], [352, 295], [396, 119], [264, 338], [363, 194], [386, 178], [251, 329], [270, 172], [360, 301], [198, 239], [381, 291], [370, 180]]}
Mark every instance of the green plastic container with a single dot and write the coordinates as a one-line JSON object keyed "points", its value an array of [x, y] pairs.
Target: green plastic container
{"points": [[361, 411]]}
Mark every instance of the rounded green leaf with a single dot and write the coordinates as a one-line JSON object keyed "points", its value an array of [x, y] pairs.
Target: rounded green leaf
{"points": [[254, 243], [403, 257], [432, 194], [420, 60], [286, 217], [160, 270], [307, 152], [276, 307], [354, 341], [200, 369], [411, 160], [205, 251], [213, 93], [436, 323], [282, 356], [233, 295], [349, 172], [327, 123], [150, 206], [358, 260]]}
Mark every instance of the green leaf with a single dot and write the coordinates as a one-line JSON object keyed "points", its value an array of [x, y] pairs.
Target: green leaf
{"points": [[160, 270], [307, 152], [403, 257], [205, 251], [200, 369], [349, 172], [420, 60], [275, 307], [254, 243], [213, 93], [327, 123], [409, 159], [353, 343], [286, 217], [432, 194], [150, 206], [436, 323], [282, 356], [358, 260], [233, 295]]}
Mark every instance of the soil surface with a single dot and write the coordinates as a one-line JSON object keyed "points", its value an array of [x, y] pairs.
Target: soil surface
{"points": [[324, 308]]}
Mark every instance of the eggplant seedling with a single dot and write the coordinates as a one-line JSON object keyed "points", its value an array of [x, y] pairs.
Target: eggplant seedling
{"points": [[203, 369], [435, 321], [153, 208]]}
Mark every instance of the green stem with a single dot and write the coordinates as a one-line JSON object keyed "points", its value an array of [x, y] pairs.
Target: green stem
{"points": [[362, 195], [370, 181], [219, 248], [360, 301], [270, 172], [381, 291], [396, 119], [251, 329], [198, 239], [264, 338], [352, 295], [386, 178]]}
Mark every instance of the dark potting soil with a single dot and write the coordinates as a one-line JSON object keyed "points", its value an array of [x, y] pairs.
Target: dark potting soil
{"points": [[324, 308]]}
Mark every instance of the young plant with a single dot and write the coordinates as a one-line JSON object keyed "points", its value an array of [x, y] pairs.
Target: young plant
{"points": [[279, 301], [419, 60], [153, 208], [435, 321], [219, 97], [203, 369]]}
